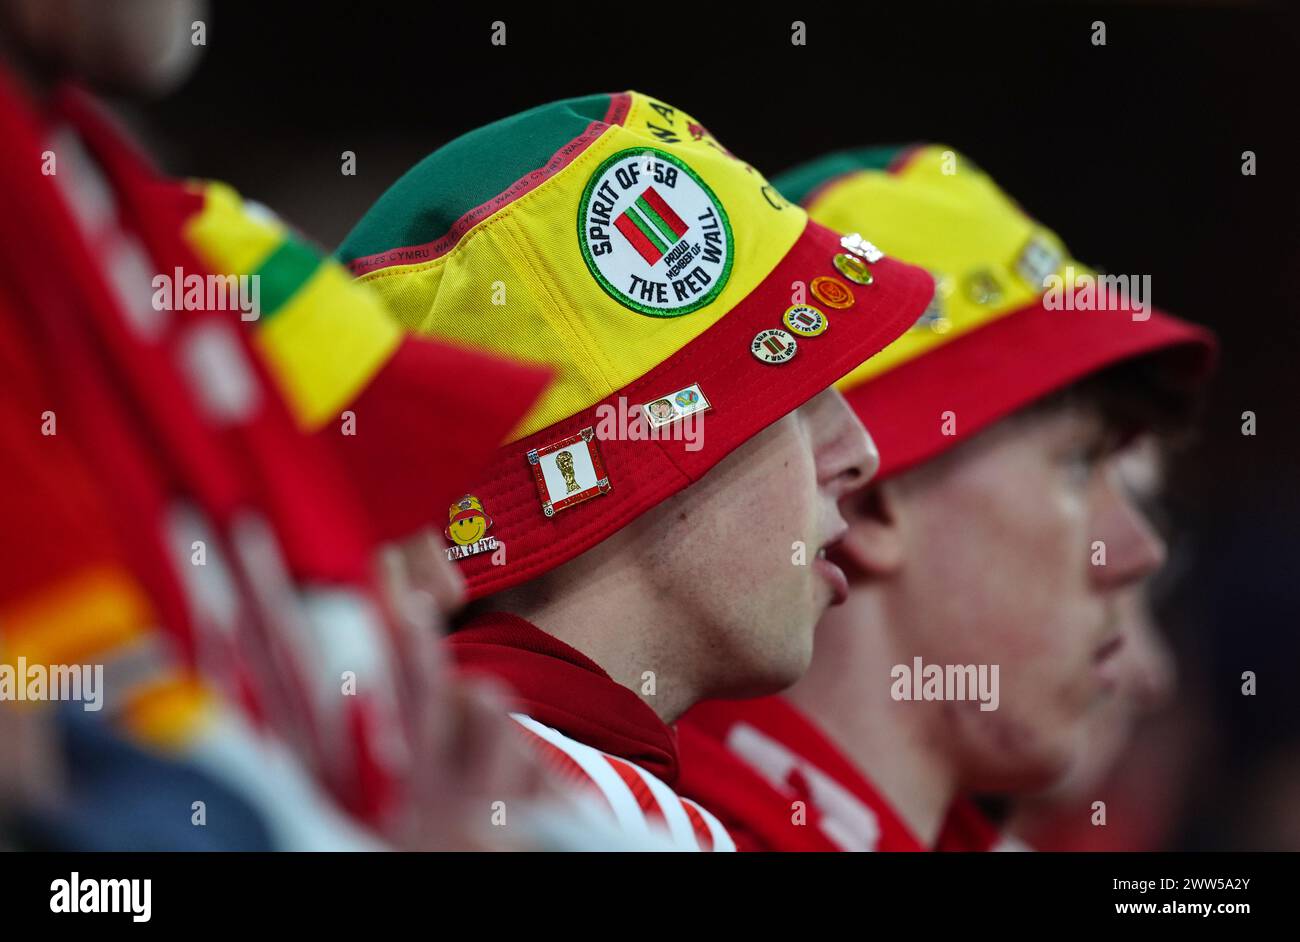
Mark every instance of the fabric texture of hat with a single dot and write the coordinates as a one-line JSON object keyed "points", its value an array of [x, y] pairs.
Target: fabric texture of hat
{"points": [[1014, 317], [614, 240]]}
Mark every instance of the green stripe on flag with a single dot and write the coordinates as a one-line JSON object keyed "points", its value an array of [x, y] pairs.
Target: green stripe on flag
{"points": [[655, 218], [284, 272], [646, 230]]}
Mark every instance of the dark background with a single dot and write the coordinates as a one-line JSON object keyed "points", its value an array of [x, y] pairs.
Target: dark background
{"points": [[1132, 151]]}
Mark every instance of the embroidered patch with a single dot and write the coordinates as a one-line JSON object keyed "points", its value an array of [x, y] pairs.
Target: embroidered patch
{"points": [[773, 346], [653, 234], [467, 527], [832, 292], [676, 406], [569, 471], [805, 320]]}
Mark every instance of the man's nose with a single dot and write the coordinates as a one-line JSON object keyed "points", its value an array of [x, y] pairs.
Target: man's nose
{"points": [[845, 454], [1133, 548]]}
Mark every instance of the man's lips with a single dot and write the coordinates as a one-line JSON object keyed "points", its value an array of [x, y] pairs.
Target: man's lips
{"points": [[1105, 659], [1109, 649], [831, 573]]}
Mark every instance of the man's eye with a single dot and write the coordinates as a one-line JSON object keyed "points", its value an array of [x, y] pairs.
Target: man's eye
{"points": [[1080, 462]]}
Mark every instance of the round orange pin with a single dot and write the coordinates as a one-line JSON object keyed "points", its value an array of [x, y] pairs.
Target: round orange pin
{"points": [[832, 292]]}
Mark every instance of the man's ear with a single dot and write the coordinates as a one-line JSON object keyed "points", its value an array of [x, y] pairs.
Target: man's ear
{"points": [[873, 545]]}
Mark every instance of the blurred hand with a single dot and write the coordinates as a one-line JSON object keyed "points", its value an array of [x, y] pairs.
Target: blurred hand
{"points": [[31, 769], [472, 768], [427, 569]]}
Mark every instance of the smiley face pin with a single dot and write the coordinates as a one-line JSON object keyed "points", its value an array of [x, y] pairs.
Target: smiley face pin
{"points": [[467, 527]]}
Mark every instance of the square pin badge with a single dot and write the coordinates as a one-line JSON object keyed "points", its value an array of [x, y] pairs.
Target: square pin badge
{"points": [[569, 471]]}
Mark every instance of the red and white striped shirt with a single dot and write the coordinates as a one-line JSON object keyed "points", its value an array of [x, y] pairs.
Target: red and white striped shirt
{"points": [[594, 734], [641, 804]]}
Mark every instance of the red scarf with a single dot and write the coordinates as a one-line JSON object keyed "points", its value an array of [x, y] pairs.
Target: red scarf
{"points": [[564, 689], [141, 411]]}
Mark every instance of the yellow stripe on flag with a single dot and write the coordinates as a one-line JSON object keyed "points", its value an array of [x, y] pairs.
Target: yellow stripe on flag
{"points": [[326, 343], [166, 712], [328, 339], [227, 236]]}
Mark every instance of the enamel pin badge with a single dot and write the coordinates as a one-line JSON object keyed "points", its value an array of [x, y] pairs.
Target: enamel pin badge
{"points": [[773, 346], [832, 292], [853, 242], [467, 527], [569, 471], [674, 406], [1037, 260]]}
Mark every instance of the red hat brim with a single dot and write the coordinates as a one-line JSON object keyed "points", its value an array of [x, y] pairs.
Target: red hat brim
{"points": [[991, 372]]}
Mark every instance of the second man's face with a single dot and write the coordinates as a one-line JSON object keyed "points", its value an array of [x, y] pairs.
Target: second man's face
{"points": [[1018, 548]]}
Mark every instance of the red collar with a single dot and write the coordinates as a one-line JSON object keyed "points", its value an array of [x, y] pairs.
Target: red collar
{"points": [[965, 827], [561, 687], [755, 811]]}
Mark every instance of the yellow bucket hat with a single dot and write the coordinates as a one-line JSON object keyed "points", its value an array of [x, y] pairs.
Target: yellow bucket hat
{"points": [[661, 279], [1014, 316]]}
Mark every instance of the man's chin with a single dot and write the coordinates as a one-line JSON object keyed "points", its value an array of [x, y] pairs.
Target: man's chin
{"points": [[772, 677], [1028, 770]]}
